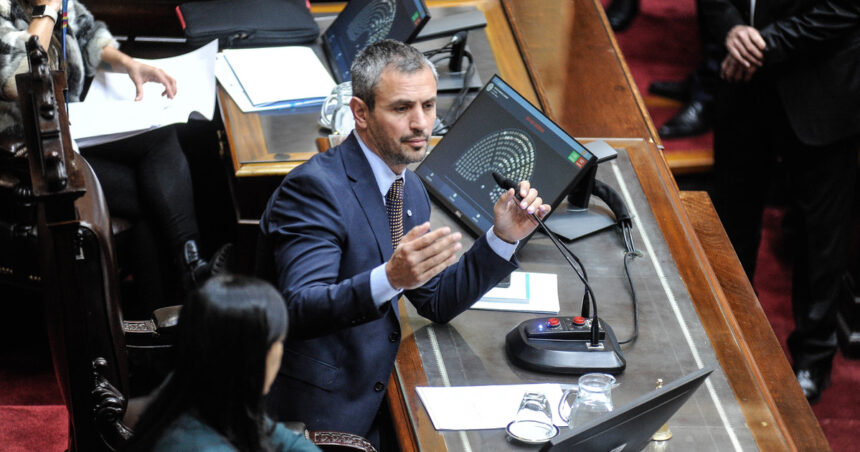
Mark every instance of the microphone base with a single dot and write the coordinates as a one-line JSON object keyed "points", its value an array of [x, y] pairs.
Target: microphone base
{"points": [[564, 356]]}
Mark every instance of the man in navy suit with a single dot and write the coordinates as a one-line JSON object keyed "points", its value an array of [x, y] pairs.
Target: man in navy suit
{"points": [[337, 258]]}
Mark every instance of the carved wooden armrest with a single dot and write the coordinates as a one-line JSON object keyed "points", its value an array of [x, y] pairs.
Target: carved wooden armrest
{"points": [[12, 147], [328, 440], [156, 332]]}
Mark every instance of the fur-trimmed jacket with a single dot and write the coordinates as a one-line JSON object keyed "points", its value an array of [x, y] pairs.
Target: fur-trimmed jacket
{"points": [[85, 40]]}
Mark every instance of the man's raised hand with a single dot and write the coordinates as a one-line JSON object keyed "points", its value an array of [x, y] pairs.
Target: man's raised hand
{"points": [[421, 255]]}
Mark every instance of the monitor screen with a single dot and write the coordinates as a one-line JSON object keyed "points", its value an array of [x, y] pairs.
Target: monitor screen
{"points": [[501, 131], [363, 22]]}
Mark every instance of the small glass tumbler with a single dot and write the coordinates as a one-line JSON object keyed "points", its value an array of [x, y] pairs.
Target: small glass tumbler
{"points": [[534, 419]]}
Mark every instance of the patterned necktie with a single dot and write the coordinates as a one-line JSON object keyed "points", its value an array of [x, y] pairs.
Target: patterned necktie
{"points": [[394, 206]]}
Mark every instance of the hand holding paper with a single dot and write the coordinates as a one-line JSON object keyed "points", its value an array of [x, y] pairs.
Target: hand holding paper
{"points": [[111, 110]]}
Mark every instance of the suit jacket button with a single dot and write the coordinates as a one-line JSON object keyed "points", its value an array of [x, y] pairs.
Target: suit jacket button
{"points": [[394, 336], [378, 387]]}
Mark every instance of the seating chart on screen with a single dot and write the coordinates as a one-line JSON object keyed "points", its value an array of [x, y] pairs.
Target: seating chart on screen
{"points": [[374, 22], [509, 151], [500, 131], [363, 22]]}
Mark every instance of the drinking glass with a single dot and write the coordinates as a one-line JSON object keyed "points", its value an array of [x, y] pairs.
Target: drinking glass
{"points": [[593, 399], [534, 419]]}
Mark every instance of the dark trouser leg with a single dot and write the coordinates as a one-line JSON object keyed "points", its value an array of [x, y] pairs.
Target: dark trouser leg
{"points": [[161, 178], [165, 184], [143, 261], [117, 181], [821, 189], [743, 166], [705, 79]]}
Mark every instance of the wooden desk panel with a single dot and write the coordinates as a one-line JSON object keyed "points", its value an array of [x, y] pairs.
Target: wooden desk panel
{"points": [[578, 71]]}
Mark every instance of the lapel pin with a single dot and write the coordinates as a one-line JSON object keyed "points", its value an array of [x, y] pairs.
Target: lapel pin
{"points": [[408, 212]]}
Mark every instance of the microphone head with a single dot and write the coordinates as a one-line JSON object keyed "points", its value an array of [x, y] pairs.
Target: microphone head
{"points": [[503, 181]]}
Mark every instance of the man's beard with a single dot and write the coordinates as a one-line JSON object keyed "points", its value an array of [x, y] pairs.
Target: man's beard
{"points": [[393, 152]]}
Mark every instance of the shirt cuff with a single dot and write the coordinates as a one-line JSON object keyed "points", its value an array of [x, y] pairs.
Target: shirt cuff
{"points": [[380, 288], [504, 249]]}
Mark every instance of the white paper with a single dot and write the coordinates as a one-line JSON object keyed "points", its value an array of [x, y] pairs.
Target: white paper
{"points": [[529, 292], [231, 84], [482, 407], [110, 112], [276, 74]]}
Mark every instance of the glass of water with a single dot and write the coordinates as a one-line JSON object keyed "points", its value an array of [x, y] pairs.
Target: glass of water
{"points": [[593, 399]]}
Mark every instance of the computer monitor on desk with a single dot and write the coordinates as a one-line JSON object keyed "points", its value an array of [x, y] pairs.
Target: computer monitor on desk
{"points": [[363, 22]]}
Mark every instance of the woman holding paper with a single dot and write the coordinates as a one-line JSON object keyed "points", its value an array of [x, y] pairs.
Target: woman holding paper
{"points": [[145, 177]]}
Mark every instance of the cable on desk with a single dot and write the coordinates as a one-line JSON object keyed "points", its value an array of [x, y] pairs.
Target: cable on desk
{"points": [[630, 253], [446, 53]]}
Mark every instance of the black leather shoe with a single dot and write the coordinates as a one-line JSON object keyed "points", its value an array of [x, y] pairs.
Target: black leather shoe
{"points": [[692, 120], [621, 13], [671, 89], [198, 270], [812, 382]]}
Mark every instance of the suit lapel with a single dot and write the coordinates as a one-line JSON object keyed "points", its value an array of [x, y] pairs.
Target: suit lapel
{"points": [[366, 191]]}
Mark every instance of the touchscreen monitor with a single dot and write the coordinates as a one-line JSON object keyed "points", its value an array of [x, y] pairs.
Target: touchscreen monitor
{"points": [[501, 131]]}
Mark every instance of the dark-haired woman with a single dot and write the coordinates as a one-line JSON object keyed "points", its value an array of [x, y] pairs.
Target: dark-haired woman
{"points": [[145, 178], [228, 351]]}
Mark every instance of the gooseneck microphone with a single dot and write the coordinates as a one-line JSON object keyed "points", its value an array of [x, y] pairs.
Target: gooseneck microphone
{"points": [[507, 184], [571, 345]]}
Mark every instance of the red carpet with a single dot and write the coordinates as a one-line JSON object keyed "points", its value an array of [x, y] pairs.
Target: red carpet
{"points": [[33, 428], [32, 414]]}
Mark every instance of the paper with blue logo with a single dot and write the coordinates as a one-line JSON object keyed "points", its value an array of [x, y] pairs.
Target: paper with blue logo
{"points": [[528, 292]]}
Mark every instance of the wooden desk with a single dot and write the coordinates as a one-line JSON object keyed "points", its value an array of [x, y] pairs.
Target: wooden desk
{"points": [[563, 56]]}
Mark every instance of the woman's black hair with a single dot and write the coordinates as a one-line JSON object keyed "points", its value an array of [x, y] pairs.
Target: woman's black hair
{"points": [[224, 334]]}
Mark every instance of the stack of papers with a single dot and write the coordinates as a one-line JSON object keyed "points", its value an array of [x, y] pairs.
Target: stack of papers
{"points": [[273, 78], [109, 111], [528, 292]]}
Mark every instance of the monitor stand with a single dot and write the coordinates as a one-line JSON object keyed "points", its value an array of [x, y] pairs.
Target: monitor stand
{"points": [[574, 222], [581, 216], [451, 75], [441, 26], [453, 80]]}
